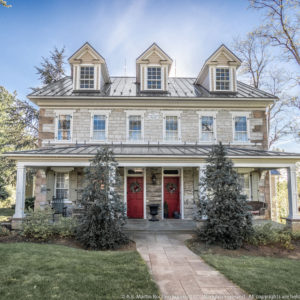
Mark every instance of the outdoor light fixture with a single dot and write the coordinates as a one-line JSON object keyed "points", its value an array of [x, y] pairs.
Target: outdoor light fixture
{"points": [[153, 178]]}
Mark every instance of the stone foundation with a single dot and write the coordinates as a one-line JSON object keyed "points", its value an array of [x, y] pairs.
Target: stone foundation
{"points": [[293, 224]]}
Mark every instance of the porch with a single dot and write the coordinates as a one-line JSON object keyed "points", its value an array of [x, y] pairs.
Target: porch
{"points": [[152, 174]]}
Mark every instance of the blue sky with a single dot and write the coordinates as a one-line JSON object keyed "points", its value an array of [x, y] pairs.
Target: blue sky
{"points": [[188, 30]]}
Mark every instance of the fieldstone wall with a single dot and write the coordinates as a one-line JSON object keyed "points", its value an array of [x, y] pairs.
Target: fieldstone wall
{"points": [[190, 191], [153, 126], [154, 191]]}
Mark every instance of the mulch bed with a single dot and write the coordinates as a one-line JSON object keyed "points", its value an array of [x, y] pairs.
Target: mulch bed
{"points": [[246, 250], [14, 237]]}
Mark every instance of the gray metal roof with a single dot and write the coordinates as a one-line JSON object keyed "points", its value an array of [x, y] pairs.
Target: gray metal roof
{"points": [[148, 150], [127, 87]]}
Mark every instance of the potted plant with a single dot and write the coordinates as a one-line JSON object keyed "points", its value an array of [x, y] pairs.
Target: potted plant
{"points": [[166, 210]]}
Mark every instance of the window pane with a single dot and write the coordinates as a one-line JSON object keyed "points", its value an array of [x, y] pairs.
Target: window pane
{"points": [[135, 127], [171, 128], [62, 185], [241, 129], [222, 79], [99, 127], [154, 78], [87, 77], [64, 127], [245, 184]]}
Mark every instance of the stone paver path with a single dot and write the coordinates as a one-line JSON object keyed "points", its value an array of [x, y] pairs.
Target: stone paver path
{"points": [[181, 274]]}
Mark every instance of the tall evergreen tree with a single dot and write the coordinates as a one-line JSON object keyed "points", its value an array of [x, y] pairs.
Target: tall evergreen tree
{"points": [[228, 220], [52, 68], [100, 224]]}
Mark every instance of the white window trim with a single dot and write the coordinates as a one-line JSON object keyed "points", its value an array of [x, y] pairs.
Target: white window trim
{"points": [[171, 113], [162, 70], [140, 113], [55, 181], [78, 77], [57, 114], [235, 114], [208, 114], [93, 113], [230, 78]]}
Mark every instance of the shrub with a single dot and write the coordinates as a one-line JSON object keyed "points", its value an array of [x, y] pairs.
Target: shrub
{"points": [[39, 225], [228, 220], [29, 203], [269, 235], [4, 231], [103, 215]]}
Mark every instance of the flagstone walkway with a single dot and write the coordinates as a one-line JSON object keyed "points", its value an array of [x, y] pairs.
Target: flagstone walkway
{"points": [[181, 274]]}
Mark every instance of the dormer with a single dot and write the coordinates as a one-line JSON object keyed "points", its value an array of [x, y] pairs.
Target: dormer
{"points": [[152, 69], [218, 73], [88, 69]]}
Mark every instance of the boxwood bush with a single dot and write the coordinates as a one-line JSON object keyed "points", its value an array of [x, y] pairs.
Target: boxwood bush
{"points": [[39, 225]]}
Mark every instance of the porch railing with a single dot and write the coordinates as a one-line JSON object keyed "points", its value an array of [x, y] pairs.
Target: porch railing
{"points": [[59, 207]]}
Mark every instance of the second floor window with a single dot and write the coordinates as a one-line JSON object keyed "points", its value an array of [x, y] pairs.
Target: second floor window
{"points": [[87, 77], [222, 79], [171, 133], [154, 78], [99, 128], [240, 129], [135, 128], [207, 128], [64, 128]]}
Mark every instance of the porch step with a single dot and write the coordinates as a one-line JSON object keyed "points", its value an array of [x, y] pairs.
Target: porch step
{"points": [[163, 226]]}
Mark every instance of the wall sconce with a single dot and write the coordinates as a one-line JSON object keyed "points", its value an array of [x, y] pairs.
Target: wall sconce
{"points": [[153, 178]]}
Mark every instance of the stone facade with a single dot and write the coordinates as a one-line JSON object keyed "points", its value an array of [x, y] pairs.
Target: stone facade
{"points": [[153, 119]]}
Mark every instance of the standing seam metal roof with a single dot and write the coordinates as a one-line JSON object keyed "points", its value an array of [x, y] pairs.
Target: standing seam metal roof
{"points": [[182, 87]]}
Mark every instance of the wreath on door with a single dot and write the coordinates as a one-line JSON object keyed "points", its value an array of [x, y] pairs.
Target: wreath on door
{"points": [[171, 187], [135, 187]]}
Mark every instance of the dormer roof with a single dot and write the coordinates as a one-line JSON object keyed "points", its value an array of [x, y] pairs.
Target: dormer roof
{"points": [[88, 53], [153, 54], [222, 54]]}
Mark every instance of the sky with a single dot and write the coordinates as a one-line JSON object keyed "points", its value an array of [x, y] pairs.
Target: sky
{"points": [[120, 30]]}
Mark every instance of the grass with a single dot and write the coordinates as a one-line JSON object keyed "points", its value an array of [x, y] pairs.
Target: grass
{"points": [[5, 213], [43, 271], [258, 275]]}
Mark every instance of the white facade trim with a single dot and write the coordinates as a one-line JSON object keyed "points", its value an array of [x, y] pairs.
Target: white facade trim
{"points": [[172, 113], [105, 113], [58, 113], [20, 192], [204, 113], [140, 113], [246, 114]]}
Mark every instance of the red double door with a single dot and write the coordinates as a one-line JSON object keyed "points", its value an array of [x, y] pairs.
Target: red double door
{"points": [[171, 194], [135, 197]]}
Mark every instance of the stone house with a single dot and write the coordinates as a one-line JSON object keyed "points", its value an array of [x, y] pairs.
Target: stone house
{"points": [[160, 128]]}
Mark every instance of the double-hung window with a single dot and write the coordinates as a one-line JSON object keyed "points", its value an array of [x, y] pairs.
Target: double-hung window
{"points": [[135, 128], [64, 128], [240, 129], [244, 180], [99, 127], [62, 186], [207, 128], [87, 77], [171, 128], [222, 79], [154, 78]]}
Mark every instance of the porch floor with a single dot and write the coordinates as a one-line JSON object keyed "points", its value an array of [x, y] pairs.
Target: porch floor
{"points": [[174, 225], [184, 226]]}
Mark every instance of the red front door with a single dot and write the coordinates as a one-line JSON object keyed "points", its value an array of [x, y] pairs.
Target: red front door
{"points": [[135, 197], [171, 194]]}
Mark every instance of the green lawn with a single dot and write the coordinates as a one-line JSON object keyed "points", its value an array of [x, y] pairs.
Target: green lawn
{"points": [[42, 271], [259, 275], [5, 213]]}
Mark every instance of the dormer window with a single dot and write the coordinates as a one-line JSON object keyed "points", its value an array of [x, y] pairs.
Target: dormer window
{"points": [[154, 78], [222, 79], [87, 77]]}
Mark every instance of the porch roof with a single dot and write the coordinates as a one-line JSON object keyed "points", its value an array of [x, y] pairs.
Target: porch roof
{"points": [[148, 150]]}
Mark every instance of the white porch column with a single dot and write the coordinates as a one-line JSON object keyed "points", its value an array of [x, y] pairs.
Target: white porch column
{"points": [[202, 189], [292, 194], [20, 192]]}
